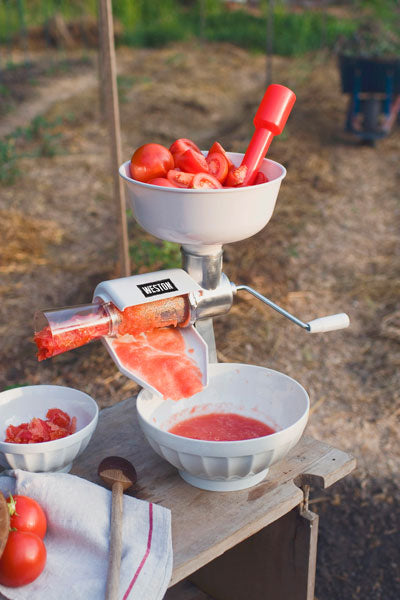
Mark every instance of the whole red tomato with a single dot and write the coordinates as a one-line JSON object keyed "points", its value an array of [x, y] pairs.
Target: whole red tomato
{"points": [[23, 559], [151, 161], [27, 515]]}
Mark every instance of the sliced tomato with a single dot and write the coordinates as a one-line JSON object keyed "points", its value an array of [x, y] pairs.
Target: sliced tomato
{"points": [[183, 144], [179, 178], [236, 176], [163, 181], [218, 165], [216, 147], [191, 161], [260, 178], [205, 180]]}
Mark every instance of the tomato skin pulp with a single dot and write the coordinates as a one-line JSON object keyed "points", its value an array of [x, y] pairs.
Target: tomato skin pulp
{"points": [[151, 161], [28, 516], [221, 427], [23, 559]]}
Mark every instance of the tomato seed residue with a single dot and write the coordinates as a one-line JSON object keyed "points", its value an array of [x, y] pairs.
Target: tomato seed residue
{"points": [[221, 427], [159, 357], [152, 315]]}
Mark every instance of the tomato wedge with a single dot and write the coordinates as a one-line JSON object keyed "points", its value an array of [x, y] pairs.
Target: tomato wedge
{"points": [[260, 178], [180, 179], [218, 165], [182, 144], [206, 181], [191, 161], [236, 176], [216, 147], [163, 181]]}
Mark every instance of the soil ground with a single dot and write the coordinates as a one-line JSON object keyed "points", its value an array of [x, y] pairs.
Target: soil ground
{"points": [[332, 245]]}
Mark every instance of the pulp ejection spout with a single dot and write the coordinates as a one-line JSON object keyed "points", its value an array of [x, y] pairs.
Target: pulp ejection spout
{"points": [[64, 329]]}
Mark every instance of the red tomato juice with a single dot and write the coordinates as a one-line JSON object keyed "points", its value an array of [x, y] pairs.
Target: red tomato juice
{"points": [[221, 427]]}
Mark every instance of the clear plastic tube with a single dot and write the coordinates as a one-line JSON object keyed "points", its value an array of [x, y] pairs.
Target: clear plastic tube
{"points": [[64, 329]]}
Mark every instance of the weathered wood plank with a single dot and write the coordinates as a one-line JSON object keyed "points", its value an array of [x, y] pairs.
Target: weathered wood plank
{"points": [[207, 524], [185, 590], [278, 562]]}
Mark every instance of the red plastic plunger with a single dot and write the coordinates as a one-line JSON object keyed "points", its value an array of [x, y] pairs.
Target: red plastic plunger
{"points": [[270, 119], [64, 329]]}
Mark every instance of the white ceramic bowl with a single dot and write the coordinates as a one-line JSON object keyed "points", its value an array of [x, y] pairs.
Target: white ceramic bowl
{"points": [[205, 217], [20, 405], [257, 392]]}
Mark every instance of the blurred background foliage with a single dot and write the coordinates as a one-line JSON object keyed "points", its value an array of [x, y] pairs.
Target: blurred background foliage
{"points": [[299, 26]]}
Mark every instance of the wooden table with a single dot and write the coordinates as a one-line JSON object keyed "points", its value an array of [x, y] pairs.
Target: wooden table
{"points": [[254, 544]]}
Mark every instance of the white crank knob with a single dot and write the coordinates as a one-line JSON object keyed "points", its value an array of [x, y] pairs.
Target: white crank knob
{"points": [[329, 323]]}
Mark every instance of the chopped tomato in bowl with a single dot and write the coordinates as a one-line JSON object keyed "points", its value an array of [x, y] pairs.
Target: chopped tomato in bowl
{"points": [[178, 165], [45, 427]]}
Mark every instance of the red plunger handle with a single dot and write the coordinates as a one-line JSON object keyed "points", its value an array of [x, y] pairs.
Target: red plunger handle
{"points": [[270, 119]]}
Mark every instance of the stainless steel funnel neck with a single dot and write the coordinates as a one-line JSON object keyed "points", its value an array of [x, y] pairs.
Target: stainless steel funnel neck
{"points": [[217, 294], [205, 269]]}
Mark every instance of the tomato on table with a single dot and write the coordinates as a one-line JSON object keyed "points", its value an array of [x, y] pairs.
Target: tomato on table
{"points": [[163, 181], [23, 559], [150, 161], [179, 178], [191, 161], [182, 144], [218, 165], [27, 515], [205, 181]]}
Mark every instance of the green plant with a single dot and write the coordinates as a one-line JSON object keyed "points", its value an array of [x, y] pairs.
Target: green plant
{"points": [[8, 160], [154, 254], [39, 138]]}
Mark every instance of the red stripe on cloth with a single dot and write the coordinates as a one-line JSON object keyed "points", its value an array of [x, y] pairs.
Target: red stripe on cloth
{"points": [[146, 554]]}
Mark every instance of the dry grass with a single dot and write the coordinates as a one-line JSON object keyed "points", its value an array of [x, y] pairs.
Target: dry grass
{"points": [[24, 241]]}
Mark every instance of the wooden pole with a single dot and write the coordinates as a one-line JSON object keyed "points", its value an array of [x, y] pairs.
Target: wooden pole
{"points": [[109, 96], [270, 39]]}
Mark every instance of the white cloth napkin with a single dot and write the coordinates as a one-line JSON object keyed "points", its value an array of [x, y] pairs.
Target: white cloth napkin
{"points": [[77, 540]]}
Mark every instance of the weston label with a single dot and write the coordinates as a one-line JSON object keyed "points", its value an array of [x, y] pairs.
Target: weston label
{"points": [[155, 288]]}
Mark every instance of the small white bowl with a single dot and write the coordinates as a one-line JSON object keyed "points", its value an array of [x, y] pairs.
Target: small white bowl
{"points": [[251, 391], [20, 405]]}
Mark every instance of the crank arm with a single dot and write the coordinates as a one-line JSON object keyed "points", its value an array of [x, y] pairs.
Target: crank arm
{"points": [[320, 325]]}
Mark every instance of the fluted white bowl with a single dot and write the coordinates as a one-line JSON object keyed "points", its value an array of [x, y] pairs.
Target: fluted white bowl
{"points": [[20, 405], [251, 391]]}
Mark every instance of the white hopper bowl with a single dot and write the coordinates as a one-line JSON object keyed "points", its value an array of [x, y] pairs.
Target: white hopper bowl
{"points": [[205, 217], [247, 390]]}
